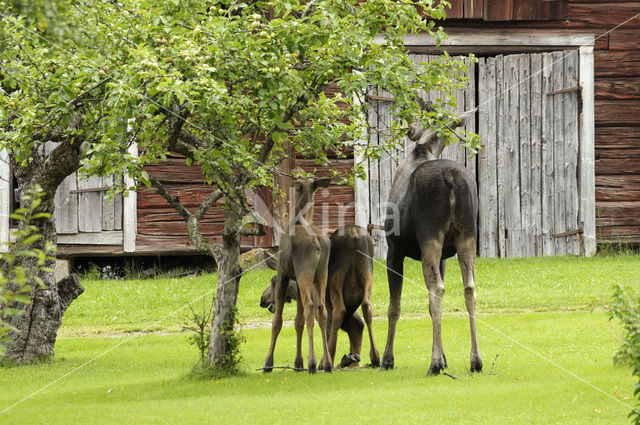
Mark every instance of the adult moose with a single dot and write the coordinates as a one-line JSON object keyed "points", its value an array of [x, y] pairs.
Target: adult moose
{"points": [[349, 286], [433, 205], [304, 257]]}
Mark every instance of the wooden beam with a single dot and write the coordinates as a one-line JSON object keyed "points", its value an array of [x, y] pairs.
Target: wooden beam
{"points": [[587, 151], [501, 38], [129, 213], [361, 187], [92, 238]]}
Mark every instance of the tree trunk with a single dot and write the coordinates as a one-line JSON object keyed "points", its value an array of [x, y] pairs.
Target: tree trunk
{"points": [[229, 274], [36, 328]]}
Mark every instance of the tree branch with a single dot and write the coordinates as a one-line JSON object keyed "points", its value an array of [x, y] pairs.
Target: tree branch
{"points": [[193, 223], [173, 201], [207, 203], [253, 218]]}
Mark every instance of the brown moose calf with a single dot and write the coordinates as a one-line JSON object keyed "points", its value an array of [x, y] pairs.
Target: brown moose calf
{"points": [[349, 284]]}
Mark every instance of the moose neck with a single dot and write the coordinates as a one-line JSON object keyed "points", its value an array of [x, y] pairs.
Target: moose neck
{"points": [[306, 212]]}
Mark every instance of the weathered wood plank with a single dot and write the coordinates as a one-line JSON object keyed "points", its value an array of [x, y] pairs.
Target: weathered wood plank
{"points": [[617, 188], [473, 9], [129, 209], [617, 137], [374, 178], [470, 102], [502, 174], [526, 187], [624, 39], [616, 63], [548, 188], [108, 207], [619, 234], [571, 148], [617, 162], [617, 112], [513, 212], [117, 211], [498, 10], [92, 238], [559, 160], [587, 168], [456, 9], [89, 204], [607, 15], [536, 152], [487, 161], [384, 170], [66, 206], [361, 187], [617, 88], [618, 213]]}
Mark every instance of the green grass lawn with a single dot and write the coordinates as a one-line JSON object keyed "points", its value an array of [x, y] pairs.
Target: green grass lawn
{"points": [[543, 318]]}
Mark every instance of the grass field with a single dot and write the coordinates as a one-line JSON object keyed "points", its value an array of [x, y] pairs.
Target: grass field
{"points": [[544, 318]]}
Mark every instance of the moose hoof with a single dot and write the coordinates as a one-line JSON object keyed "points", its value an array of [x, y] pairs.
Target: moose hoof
{"points": [[375, 359], [476, 364], [349, 359], [268, 366], [386, 364], [312, 367], [436, 367], [298, 365]]}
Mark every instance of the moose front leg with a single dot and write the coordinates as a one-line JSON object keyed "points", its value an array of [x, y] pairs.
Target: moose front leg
{"points": [[395, 268]]}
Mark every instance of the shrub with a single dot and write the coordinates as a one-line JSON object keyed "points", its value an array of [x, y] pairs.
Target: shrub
{"points": [[626, 308]]}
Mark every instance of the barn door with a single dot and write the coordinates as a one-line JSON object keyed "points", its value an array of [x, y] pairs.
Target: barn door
{"points": [[374, 192], [529, 194]]}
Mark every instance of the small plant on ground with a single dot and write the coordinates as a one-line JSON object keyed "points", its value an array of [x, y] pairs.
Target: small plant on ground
{"points": [[626, 308], [198, 323]]}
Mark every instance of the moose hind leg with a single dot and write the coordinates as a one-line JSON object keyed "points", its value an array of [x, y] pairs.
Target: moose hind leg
{"points": [[431, 252], [367, 312], [299, 325], [466, 256], [395, 266]]}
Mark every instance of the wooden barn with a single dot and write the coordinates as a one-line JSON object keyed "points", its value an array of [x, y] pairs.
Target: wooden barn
{"points": [[557, 86]]}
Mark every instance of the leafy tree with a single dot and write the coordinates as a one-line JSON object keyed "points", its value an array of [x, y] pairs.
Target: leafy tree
{"points": [[235, 87]]}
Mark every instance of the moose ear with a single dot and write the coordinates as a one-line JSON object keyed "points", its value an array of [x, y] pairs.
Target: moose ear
{"points": [[321, 182], [272, 260], [465, 117]]}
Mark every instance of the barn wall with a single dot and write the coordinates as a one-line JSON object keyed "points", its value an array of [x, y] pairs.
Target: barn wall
{"points": [[617, 98], [161, 230]]}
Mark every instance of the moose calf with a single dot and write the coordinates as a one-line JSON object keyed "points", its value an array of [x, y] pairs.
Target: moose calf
{"points": [[350, 280]]}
